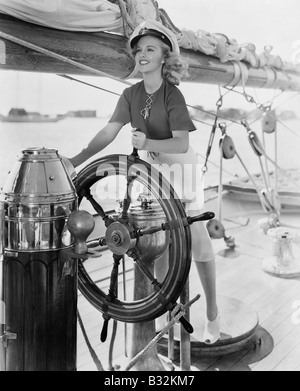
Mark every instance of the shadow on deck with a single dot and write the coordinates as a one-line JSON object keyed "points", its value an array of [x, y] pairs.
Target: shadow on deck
{"points": [[274, 344]]}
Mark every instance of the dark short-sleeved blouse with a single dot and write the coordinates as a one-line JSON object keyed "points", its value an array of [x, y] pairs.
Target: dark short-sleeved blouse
{"points": [[168, 111]]}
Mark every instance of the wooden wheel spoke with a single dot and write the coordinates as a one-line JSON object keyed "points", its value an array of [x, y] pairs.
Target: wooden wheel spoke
{"points": [[133, 253], [94, 247], [172, 225], [148, 231], [112, 294], [98, 208]]}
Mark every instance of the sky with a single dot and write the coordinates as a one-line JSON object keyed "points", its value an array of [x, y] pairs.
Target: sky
{"points": [[262, 22]]}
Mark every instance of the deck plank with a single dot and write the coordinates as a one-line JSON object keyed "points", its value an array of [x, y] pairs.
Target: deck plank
{"points": [[290, 362], [281, 349], [239, 276]]}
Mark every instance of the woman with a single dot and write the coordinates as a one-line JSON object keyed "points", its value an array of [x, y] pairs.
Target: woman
{"points": [[156, 107]]}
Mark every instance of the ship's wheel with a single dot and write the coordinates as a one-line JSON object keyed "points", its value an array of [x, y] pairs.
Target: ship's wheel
{"points": [[122, 238]]}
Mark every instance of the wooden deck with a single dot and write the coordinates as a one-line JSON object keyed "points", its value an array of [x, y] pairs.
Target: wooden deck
{"points": [[275, 344]]}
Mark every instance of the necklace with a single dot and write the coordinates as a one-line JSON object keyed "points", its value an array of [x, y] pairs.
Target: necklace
{"points": [[145, 113]]}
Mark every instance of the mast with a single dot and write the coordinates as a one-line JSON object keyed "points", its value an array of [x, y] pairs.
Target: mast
{"points": [[107, 53]]}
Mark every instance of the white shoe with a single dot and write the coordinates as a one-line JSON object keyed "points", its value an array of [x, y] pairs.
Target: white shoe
{"points": [[212, 331]]}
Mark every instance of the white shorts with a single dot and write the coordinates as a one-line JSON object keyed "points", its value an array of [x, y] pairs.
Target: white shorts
{"points": [[184, 172]]}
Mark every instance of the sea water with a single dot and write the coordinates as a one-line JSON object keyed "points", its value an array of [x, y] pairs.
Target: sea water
{"points": [[71, 135]]}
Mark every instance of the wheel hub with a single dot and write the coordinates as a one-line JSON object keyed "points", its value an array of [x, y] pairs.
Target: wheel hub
{"points": [[118, 238]]}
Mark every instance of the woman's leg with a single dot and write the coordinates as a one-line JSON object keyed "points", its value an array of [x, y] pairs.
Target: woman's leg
{"points": [[202, 249], [204, 258], [207, 274]]}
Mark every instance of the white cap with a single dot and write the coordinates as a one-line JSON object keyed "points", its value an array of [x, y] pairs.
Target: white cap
{"points": [[155, 29]]}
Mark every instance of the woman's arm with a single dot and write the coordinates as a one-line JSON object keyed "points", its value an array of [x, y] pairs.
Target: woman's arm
{"points": [[103, 138], [179, 143]]}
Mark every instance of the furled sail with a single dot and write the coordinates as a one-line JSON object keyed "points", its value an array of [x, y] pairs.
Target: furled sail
{"points": [[125, 15], [213, 58], [71, 15]]}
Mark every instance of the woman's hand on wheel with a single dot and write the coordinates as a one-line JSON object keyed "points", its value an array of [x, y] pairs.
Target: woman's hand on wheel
{"points": [[138, 139]]}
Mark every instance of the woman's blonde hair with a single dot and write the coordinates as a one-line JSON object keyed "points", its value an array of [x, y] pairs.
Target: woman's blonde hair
{"points": [[175, 67]]}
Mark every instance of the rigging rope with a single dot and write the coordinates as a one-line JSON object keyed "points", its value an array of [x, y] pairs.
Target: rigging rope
{"points": [[263, 112], [104, 74], [88, 84], [91, 350], [215, 115], [278, 120], [118, 94], [100, 73], [259, 105], [219, 104]]}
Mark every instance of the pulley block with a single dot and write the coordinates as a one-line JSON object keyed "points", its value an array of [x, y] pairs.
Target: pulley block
{"points": [[269, 122], [215, 229], [227, 146], [254, 140]]}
